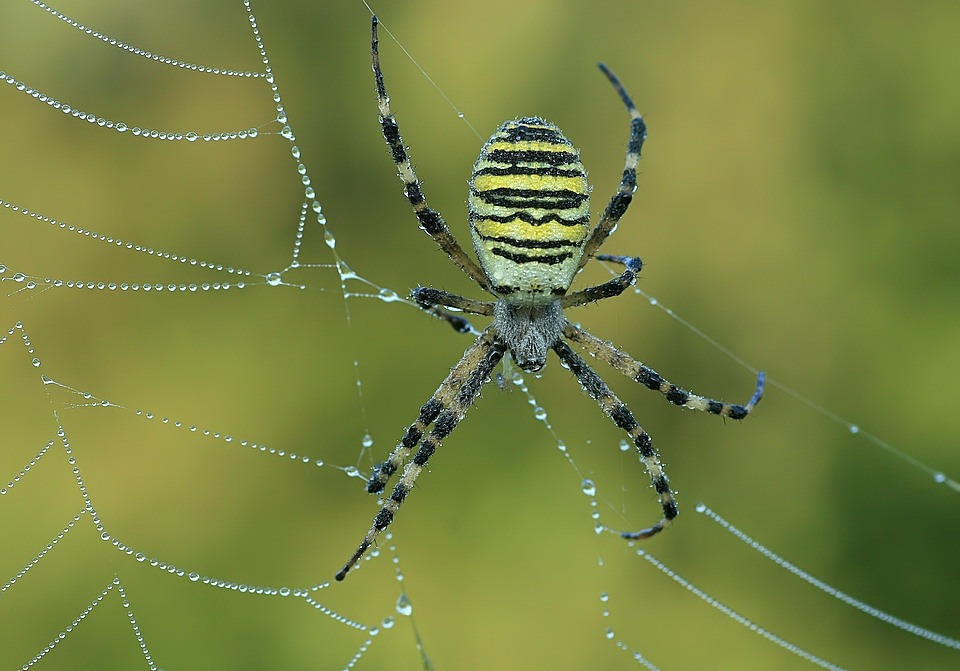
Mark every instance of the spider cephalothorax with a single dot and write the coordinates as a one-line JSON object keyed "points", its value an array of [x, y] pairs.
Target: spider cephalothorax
{"points": [[529, 218]]}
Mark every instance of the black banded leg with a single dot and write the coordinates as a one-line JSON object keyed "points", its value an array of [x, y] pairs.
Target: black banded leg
{"points": [[442, 398], [649, 378], [430, 220], [448, 406], [614, 287], [430, 300], [623, 418], [628, 183]]}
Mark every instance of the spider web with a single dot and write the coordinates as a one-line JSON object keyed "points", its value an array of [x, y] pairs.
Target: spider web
{"points": [[199, 367]]}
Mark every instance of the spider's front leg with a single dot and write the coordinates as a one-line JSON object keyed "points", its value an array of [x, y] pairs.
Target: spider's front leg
{"points": [[444, 410], [430, 220], [621, 199]]}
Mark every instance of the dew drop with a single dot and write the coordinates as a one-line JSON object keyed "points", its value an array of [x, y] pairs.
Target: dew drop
{"points": [[854, 428], [194, 576], [329, 239], [540, 413], [273, 279], [36, 363], [589, 488], [367, 440], [388, 295], [404, 607], [624, 445]]}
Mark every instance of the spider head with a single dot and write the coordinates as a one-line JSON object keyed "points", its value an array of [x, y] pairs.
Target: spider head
{"points": [[528, 331]]}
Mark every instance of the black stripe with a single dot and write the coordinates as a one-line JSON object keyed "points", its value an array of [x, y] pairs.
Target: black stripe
{"points": [[531, 128], [649, 378], [530, 170], [525, 258], [532, 203], [524, 133], [382, 520], [618, 205], [530, 156], [677, 396], [638, 133], [530, 219], [430, 444], [561, 199], [531, 244], [620, 415], [737, 412], [391, 133], [510, 192]]}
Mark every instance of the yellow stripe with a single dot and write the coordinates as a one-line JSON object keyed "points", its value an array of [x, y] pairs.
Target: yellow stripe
{"points": [[537, 182], [530, 145], [524, 231]]}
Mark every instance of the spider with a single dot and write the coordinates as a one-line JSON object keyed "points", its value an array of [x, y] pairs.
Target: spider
{"points": [[529, 217]]}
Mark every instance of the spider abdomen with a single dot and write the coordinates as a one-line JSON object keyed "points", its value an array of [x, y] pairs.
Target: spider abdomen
{"points": [[529, 211]]}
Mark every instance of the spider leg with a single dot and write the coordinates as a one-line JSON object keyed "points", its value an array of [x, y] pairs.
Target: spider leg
{"points": [[649, 378], [430, 220], [614, 287], [430, 300], [444, 410], [614, 408], [628, 184]]}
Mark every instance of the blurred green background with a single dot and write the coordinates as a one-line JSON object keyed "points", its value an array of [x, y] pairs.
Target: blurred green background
{"points": [[798, 202]]}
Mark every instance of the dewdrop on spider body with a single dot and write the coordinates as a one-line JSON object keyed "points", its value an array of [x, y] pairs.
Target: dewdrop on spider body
{"points": [[529, 215]]}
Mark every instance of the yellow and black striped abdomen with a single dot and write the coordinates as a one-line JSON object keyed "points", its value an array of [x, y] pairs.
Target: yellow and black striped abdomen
{"points": [[529, 211]]}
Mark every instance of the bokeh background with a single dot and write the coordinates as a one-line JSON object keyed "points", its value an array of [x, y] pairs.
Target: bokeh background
{"points": [[798, 202]]}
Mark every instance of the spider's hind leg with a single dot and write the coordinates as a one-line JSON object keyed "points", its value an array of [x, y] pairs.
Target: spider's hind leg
{"points": [[649, 378], [445, 409], [614, 408]]}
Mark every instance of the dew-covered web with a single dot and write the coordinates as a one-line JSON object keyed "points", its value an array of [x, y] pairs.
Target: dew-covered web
{"points": [[206, 346]]}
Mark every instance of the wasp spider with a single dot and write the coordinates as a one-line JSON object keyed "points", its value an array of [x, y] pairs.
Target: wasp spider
{"points": [[529, 215]]}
